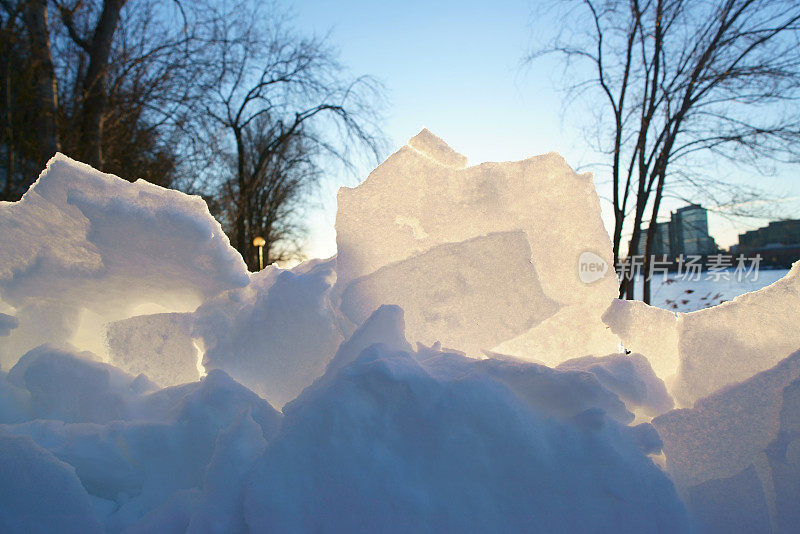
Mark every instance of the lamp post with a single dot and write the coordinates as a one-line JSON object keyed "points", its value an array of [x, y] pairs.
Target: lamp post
{"points": [[260, 242]]}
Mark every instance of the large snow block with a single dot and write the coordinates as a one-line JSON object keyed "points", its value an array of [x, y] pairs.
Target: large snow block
{"points": [[468, 296], [424, 196], [735, 340], [159, 346], [276, 336], [727, 431], [94, 247], [418, 199]]}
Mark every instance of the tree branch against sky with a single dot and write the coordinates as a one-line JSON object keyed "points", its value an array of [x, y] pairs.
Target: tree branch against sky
{"points": [[681, 81], [280, 105], [226, 100]]}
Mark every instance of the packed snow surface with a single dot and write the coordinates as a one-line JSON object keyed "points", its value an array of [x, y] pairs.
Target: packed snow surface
{"points": [[452, 369]]}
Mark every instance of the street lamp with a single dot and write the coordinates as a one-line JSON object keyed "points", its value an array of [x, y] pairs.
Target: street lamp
{"points": [[260, 242]]}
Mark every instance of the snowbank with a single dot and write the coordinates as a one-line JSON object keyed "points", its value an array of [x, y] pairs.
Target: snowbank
{"points": [[83, 248], [421, 440], [399, 443], [142, 367]]}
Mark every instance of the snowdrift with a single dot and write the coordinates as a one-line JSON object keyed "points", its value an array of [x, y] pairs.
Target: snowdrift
{"points": [[449, 370]]}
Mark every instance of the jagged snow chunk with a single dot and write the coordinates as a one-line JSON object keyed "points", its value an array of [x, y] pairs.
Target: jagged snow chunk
{"points": [[700, 352], [92, 247], [159, 346], [733, 341], [423, 197], [469, 295], [540, 195], [282, 334]]}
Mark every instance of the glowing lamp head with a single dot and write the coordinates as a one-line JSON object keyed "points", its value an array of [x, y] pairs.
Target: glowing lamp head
{"points": [[259, 242]]}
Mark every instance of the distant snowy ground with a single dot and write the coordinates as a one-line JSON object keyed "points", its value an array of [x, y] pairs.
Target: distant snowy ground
{"points": [[448, 371], [685, 294]]}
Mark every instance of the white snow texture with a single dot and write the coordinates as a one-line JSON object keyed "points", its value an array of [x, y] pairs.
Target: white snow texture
{"points": [[447, 371]]}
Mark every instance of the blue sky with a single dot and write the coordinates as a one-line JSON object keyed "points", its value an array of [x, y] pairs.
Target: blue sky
{"points": [[455, 68]]}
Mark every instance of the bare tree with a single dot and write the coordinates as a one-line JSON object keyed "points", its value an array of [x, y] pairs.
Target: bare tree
{"points": [[29, 94], [96, 42], [36, 18], [221, 99], [109, 82], [282, 105], [683, 80]]}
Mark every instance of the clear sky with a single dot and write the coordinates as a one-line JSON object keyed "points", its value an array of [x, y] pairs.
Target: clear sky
{"points": [[455, 67]]}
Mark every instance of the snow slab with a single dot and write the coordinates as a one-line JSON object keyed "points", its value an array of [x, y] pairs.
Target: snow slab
{"points": [[469, 295], [724, 441], [82, 248], [277, 335], [424, 196], [700, 352]]}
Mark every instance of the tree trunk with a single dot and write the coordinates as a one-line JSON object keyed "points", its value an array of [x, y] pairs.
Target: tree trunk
{"points": [[46, 94], [651, 230], [94, 85]]}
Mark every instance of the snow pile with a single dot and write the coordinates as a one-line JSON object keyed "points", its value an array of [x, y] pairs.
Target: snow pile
{"points": [[432, 442], [452, 369], [420, 440], [83, 248], [120, 444], [39, 493]]}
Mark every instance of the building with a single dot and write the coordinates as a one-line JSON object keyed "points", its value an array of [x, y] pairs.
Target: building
{"points": [[775, 233], [688, 229], [778, 243], [686, 233], [661, 240]]}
